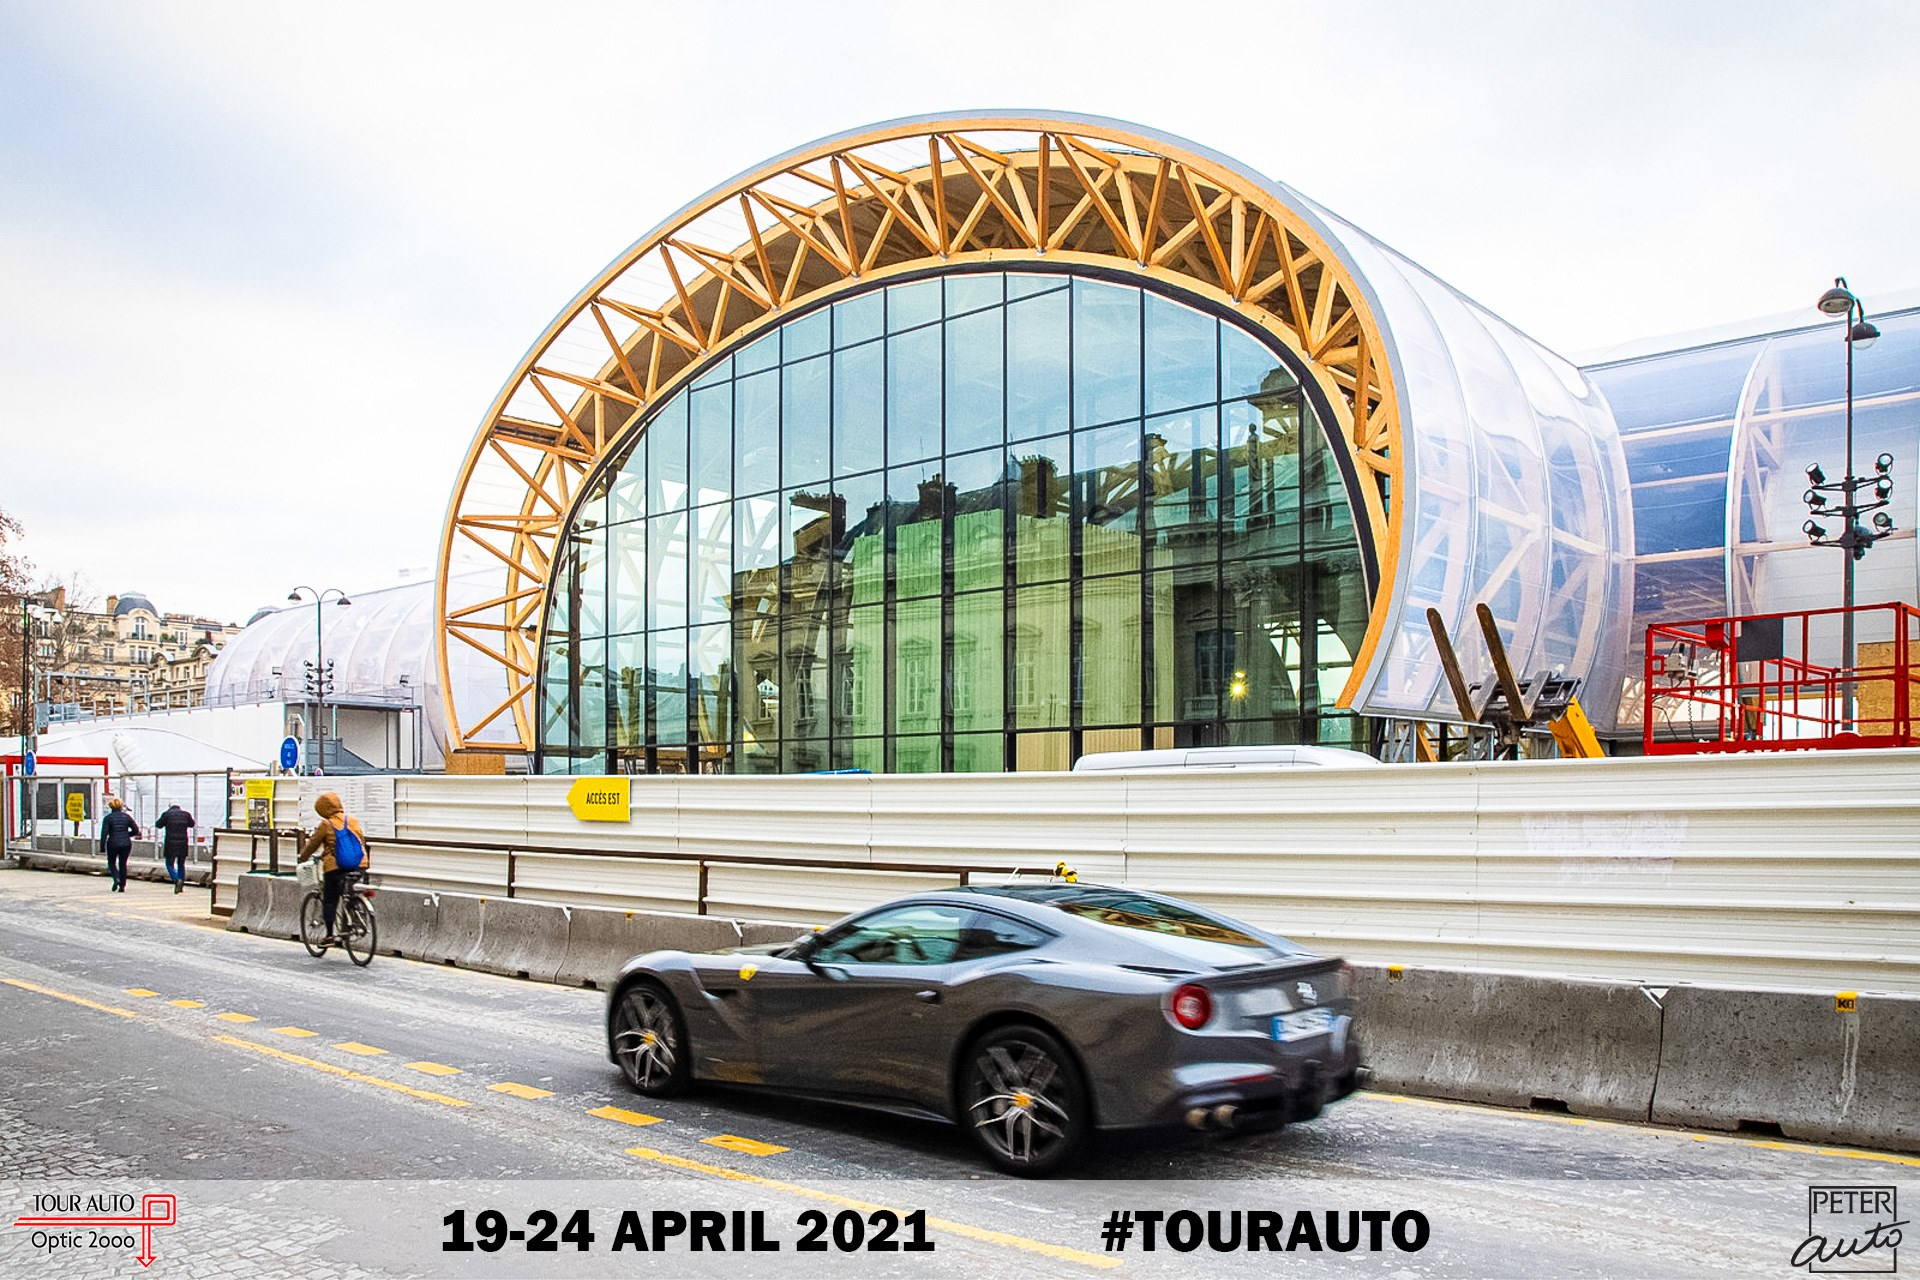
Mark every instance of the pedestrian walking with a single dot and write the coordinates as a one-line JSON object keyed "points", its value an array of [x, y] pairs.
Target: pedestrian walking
{"points": [[118, 831], [175, 827], [342, 848]]}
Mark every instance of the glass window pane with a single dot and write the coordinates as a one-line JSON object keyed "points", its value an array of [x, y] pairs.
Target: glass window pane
{"points": [[591, 585], [917, 753], [668, 685], [1108, 462], [1109, 661], [806, 532], [974, 382], [709, 654], [1037, 354], [806, 421], [762, 353], [628, 499], [979, 753], [1182, 453], [1042, 508], [972, 292], [666, 441], [859, 318], [810, 335], [628, 577], [913, 396], [916, 504], [627, 678], [859, 408], [756, 537], [1262, 481], [862, 706], [979, 644], [1026, 285], [912, 305], [712, 582], [804, 650], [756, 463], [979, 519], [1248, 368], [710, 443], [1181, 358], [590, 722], [1039, 684], [916, 667], [1042, 751], [862, 543], [667, 570], [1106, 352]]}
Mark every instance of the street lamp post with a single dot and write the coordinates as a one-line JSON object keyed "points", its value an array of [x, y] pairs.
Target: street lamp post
{"points": [[1854, 539], [321, 675]]}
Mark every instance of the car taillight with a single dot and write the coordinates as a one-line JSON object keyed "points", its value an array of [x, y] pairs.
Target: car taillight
{"points": [[1191, 1006]]}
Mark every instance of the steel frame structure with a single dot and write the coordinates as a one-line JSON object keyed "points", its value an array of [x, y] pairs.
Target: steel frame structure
{"points": [[842, 214]]}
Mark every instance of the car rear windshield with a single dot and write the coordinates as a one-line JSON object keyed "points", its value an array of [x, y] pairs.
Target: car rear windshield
{"points": [[1153, 915]]}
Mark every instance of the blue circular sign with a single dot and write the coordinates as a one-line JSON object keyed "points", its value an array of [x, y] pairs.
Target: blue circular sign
{"points": [[290, 754], [26, 764]]}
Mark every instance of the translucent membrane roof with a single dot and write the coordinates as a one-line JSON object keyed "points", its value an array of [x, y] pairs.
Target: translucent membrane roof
{"points": [[1718, 439]]}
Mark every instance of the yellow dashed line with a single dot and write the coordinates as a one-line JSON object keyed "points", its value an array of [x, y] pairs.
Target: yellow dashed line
{"points": [[332, 1070], [519, 1090], [141, 992], [61, 995], [188, 1004], [1022, 1243], [434, 1068], [745, 1146], [623, 1116], [296, 1032], [236, 1017], [363, 1050], [1844, 1153]]}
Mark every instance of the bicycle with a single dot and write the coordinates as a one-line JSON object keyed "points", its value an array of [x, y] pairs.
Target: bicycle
{"points": [[353, 921]]}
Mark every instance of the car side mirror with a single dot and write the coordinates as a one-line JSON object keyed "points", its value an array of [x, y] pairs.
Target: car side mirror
{"points": [[802, 948]]}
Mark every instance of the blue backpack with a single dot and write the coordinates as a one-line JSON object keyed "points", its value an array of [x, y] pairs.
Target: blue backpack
{"points": [[348, 852]]}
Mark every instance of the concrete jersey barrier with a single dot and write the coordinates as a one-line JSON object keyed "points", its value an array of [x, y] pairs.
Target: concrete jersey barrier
{"points": [[521, 939], [1592, 1048], [405, 920], [1820, 1073]]}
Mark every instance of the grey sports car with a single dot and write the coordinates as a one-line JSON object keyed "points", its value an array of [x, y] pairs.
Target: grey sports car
{"points": [[1028, 1014]]}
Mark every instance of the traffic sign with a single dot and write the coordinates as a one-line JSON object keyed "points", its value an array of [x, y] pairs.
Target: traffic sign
{"points": [[26, 764], [290, 754], [76, 807]]}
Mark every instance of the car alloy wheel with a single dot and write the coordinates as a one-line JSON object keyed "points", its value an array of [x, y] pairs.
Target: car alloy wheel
{"points": [[1025, 1103], [649, 1042]]}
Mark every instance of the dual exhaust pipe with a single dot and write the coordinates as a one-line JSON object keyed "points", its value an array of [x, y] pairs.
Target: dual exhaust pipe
{"points": [[1221, 1117]]}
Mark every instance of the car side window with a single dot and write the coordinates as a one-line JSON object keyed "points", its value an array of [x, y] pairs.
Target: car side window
{"points": [[988, 934], [919, 933]]}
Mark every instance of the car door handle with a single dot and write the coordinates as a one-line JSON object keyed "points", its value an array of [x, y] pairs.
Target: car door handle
{"points": [[927, 997]]}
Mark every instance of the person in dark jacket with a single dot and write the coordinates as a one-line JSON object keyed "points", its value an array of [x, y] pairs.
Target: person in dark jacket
{"points": [[118, 831], [175, 827]]}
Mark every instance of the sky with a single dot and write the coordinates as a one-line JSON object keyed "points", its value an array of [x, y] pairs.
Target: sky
{"points": [[263, 266]]}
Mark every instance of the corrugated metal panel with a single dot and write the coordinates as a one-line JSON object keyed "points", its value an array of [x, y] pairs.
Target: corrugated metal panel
{"points": [[1798, 870]]}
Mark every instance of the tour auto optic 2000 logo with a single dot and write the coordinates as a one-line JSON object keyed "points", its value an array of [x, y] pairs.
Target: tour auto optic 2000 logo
{"points": [[98, 1222]]}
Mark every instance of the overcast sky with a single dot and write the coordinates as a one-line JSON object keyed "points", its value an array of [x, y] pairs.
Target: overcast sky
{"points": [[263, 265]]}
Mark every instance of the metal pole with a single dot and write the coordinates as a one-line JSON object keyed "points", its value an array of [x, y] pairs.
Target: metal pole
{"points": [[320, 661], [1848, 551]]}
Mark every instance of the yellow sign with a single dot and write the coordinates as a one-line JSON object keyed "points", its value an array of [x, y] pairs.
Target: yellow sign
{"points": [[259, 788], [76, 807], [1844, 1001], [600, 799]]}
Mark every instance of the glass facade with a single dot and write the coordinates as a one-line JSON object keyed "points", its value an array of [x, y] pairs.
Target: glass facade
{"points": [[981, 521]]}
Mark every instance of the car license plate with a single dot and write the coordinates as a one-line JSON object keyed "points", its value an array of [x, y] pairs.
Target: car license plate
{"points": [[1298, 1026]]}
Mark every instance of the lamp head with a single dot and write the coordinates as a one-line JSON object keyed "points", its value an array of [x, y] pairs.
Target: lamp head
{"points": [[1836, 301], [1815, 475], [343, 602], [294, 595], [1815, 500], [1883, 463], [1862, 334], [1813, 530], [1883, 522]]}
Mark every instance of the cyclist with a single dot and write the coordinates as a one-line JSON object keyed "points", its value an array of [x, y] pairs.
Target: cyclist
{"points": [[342, 848]]}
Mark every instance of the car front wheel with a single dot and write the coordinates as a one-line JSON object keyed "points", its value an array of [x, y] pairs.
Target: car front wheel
{"points": [[1024, 1102], [650, 1040]]}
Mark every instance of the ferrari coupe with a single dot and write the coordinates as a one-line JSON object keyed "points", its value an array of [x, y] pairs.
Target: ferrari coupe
{"points": [[1028, 1014]]}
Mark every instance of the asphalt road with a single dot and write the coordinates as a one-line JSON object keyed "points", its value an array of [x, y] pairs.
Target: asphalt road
{"points": [[312, 1115]]}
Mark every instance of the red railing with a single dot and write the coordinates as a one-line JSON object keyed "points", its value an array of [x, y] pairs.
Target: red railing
{"points": [[1752, 684]]}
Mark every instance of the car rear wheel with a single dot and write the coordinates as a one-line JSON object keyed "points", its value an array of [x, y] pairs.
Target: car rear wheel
{"points": [[1024, 1101], [650, 1040]]}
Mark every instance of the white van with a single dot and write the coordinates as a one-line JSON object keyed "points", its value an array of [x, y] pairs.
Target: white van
{"points": [[1290, 757]]}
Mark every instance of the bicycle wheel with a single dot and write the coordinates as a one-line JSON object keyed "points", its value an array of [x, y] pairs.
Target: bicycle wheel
{"points": [[359, 933], [313, 923]]}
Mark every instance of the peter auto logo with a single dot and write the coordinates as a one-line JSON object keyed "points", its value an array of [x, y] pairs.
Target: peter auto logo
{"points": [[1851, 1231], [67, 1221]]}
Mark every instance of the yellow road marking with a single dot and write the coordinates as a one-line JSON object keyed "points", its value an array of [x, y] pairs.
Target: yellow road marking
{"points": [[61, 995], [332, 1070], [745, 1146], [1844, 1153], [434, 1068], [981, 1234], [623, 1116], [141, 991], [188, 1004], [364, 1050], [236, 1017], [296, 1032], [519, 1090]]}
